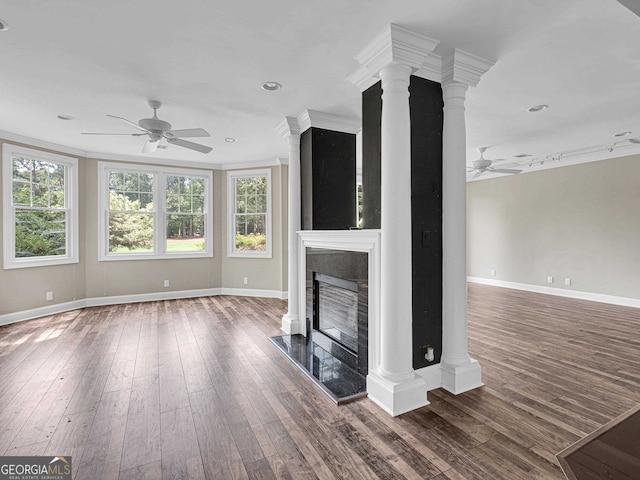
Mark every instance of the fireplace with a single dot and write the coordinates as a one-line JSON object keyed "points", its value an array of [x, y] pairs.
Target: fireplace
{"points": [[335, 340], [337, 304]]}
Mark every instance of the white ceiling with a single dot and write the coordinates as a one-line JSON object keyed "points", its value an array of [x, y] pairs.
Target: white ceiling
{"points": [[205, 60]]}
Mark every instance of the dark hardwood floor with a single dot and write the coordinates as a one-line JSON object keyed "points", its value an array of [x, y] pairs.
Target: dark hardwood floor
{"points": [[193, 389]]}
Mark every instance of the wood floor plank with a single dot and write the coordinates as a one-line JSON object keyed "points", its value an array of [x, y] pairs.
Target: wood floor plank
{"points": [[45, 418], [142, 433], [180, 452], [101, 457], [149, 471], [220, 455], [173, 389], [194, 389]]}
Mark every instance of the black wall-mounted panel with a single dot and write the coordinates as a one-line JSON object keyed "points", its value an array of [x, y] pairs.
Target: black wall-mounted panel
{"points": [[306, 180], [371, 155], [328, 179], [426, 106]]}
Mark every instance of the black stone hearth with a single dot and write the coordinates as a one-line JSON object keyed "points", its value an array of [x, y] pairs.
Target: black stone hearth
{"points": [[342, 383]]}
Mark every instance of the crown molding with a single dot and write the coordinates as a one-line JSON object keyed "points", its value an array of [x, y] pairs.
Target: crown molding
{"points": [[396, 44], [274, 162], [54, 147], [153, 161], [328, 121], [288, 126], [43, 144], [464, 67]]}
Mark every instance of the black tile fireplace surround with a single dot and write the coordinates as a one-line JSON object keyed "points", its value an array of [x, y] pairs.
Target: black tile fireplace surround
{"points": [[335, 352]]}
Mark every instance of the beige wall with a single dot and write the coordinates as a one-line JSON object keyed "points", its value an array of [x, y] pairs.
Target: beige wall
{"points": [[579, 221], [24, 289]]}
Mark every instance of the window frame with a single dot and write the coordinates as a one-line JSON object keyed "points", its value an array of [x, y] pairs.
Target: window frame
{"points": [[160, 212], [231, 212], [10, 261]]}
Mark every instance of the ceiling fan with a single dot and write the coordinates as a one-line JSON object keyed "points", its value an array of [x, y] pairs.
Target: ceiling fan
{"points": [[157, 129], [482, 165]]}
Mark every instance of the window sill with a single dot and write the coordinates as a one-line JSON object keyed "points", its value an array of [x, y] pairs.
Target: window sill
{"points": [[167, 256]]}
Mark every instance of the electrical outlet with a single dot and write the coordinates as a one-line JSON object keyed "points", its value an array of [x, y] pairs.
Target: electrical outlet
{"points": [[166, 283], [550, 279], [493, 272], [49, 296], [567, 281], [245, 280]]}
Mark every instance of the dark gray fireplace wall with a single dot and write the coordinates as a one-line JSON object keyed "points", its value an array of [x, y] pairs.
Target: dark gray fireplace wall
{"points": [[327, 179], [426, 106]]}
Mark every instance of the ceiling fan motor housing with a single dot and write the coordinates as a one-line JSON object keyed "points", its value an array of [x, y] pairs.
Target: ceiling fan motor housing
{"points": [[155, 125], [482, 163]]}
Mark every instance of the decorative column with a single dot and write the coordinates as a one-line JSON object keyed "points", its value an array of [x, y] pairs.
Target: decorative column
{"points": [[396, 299], [392, 57], [459, 372], [290, 130]]}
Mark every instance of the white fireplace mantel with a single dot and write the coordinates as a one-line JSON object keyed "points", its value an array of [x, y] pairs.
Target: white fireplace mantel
{"points": [[367, 241]]}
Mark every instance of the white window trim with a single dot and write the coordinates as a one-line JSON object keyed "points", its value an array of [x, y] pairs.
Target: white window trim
{"points": [[231, 203], [71, 204], [159, 221]]}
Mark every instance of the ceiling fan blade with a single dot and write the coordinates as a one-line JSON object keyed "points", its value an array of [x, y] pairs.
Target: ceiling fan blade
{"points": [[188, 132], [151, 146], [129, 122], [127, 134], [511, 164], [477, 174], [191, 145], [505, 170]]}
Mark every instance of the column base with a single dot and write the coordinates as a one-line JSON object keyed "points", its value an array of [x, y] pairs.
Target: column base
{"points": [[291, 324], [397, 398], [461, 378], [432, 376]]}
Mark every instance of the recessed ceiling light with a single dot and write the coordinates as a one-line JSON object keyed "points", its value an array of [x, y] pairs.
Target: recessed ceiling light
{"points": [[66, 117], [271, 86], [230, 140], [622, 134], [3, 26], [537, 108]]}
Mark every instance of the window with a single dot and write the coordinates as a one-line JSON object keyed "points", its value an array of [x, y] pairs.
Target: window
{"points": [[40, 208], [249, 226], [359, 204], [149, 212]]}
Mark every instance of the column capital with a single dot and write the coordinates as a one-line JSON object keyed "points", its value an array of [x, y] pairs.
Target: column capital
{"points": [[463, 67], [328, 121], [288, 127], [396, 44]]}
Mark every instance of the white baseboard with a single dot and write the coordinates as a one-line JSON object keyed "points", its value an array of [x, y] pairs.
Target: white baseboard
{"points": [[8, 318], [142, 297], [247, 292], [561, 292]]}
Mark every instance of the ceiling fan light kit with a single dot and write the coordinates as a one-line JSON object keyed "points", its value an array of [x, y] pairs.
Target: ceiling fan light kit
{"points": [[157, 129]]}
